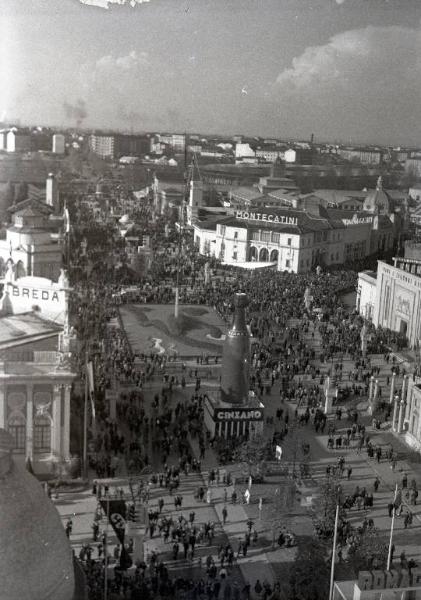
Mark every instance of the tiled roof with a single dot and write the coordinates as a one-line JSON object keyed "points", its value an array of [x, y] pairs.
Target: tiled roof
{"points": [[306, 222]]}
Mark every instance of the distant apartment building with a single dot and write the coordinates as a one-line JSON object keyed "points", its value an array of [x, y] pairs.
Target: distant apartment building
{"points": [[413, 165], [58, 143], [365, 156], [102, 145], [176, 141], [289, 156], [197, 148], [18, 141], [268, 154], [115, 146], [3, 139], [244, 151]]}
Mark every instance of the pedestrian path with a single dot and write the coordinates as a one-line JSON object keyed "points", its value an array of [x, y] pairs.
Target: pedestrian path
{"points": [[257, 565]]}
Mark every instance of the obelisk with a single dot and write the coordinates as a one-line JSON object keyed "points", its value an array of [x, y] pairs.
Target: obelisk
{"points": [[236, 356]]}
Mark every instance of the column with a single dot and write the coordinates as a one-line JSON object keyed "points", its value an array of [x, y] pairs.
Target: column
{"points": [[392, 388], [2, 405], [371, 389], [56, 428], [375, 394], [401, 416], [404, 388], [29, 446], [65, 434], [408, 398], [395, 412]]}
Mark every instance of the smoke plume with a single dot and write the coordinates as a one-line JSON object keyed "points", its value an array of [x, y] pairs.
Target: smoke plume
{"points": [[76, 111]]}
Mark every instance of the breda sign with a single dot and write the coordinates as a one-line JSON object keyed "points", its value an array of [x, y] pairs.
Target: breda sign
{"points": [[35, 294], [46, 297], [230, 414]]}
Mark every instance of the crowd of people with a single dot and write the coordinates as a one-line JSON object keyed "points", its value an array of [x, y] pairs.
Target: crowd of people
{"points": [[281, 324]]}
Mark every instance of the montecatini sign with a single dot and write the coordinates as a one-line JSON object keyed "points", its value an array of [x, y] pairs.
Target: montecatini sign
{"points": [[268, 218], [357, 221], [239, 415]]}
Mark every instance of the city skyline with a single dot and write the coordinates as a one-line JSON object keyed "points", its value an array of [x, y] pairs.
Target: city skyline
{"points": [[344, 70]]}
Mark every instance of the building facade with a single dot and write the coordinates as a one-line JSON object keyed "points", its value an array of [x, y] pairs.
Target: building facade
{"points": [[292, 240], [366, 294], [32, 242], [36, 375], [398, 298]]}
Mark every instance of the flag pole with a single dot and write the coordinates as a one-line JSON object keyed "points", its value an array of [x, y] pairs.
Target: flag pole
{"points": [[106, 551], [389, 554], [85, 427], [332, 568]]}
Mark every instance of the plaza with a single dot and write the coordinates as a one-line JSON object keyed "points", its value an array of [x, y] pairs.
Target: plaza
{"points": [[153, 329]]}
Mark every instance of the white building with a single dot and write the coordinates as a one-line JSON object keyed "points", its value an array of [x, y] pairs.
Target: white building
{"points": [[398, 298], [18, 141], [58, 143], [366, 293], [32, 242], [35, 368], [244, 151], [289, 156], [102, 145], [291, 240]]}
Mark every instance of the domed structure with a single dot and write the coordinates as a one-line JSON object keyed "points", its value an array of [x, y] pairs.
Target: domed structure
{"points": [[35, 555], [378, 200]]}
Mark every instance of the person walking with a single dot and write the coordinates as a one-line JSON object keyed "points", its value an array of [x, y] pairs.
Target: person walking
{"points": [[258, 588], [224, 515]]}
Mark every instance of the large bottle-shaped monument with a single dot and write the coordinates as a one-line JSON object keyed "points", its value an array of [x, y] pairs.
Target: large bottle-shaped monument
{"points": [[236, 356], [35, 554]]}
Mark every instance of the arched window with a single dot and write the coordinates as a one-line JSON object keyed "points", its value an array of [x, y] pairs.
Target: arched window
{"points": [[20, 270], [42, 433], [264, 255], [252, 253], [16, 426], [274, 256]]}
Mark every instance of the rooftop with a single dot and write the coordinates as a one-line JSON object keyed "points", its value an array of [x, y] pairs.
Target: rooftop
{"points": [[19, 329]]}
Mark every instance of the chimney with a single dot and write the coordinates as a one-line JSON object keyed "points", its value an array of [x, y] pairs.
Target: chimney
{"points": [[51, 192]]}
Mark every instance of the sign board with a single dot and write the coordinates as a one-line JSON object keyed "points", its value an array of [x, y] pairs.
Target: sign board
{"points": [[242, 414], [380, 580], [357, 221], [265, 217], [26, 293]]}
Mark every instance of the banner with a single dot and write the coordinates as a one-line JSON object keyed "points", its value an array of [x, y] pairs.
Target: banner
{"points": [[67, 220], [116, 512], [91, 386]]}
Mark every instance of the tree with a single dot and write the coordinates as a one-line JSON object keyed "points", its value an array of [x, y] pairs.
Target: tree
{"points": [[275, 509], [252, 454], [309, 574], [138, 264], [330, 496], [367, 550]]}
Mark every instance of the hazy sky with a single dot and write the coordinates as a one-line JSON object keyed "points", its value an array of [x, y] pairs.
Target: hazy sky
{"points": [[343, 69]]}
